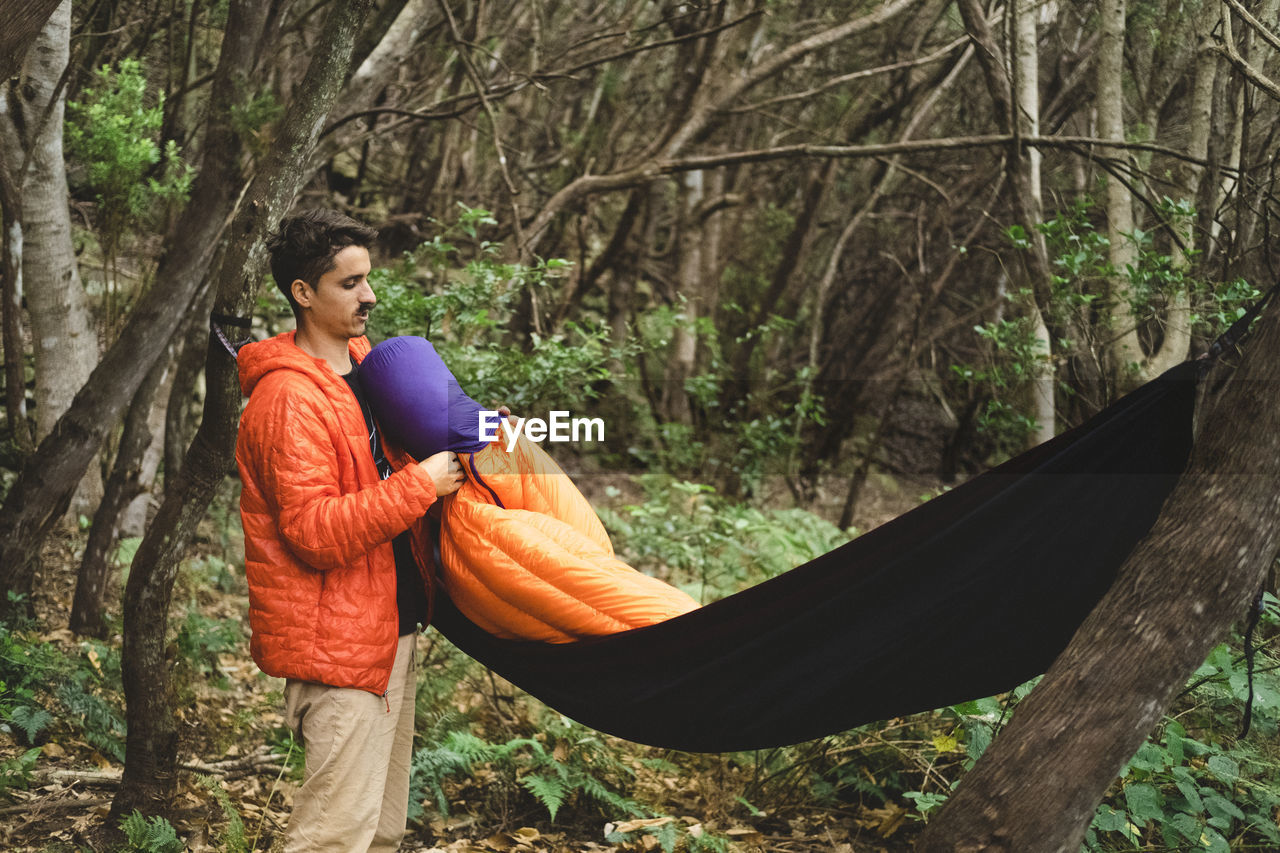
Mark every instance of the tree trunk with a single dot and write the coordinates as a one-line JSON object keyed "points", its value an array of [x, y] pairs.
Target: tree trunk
{"points": [[1019, 103], [88, 609], [22, 21], [15, 374], [48, 477], [150, 772], [1026, 95], [190, 339], [1126, 352], [1038, 785], [66, 345], [689, 284], [791, 263]]}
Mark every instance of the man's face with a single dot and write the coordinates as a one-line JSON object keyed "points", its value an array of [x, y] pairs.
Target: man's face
{"points": [[338, 306]]}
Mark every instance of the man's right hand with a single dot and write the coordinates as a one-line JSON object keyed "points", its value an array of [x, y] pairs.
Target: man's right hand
{"points": [[445, 471]]}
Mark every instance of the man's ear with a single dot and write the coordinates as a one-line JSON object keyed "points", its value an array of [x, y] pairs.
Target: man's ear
{"points": [[302, 293]]}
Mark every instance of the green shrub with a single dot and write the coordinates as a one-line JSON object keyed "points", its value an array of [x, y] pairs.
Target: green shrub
{"points": [[43, 687], [456, 291], [710, 545], [112, 133]]}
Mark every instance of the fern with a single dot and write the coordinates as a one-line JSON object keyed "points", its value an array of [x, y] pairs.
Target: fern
{"points": [[550, 791], [458, 752], [150, 835], [102, 725], [667, 836], [233, 840], [31, 720], [605, 796]]}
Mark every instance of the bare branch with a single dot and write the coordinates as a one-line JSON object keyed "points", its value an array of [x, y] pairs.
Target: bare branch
{"points": [[457, 105], [856, 75], [1228, 50], [701, 117], [1268, 35]]}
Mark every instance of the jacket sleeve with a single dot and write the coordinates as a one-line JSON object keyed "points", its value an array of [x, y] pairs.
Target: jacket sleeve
{"points": [[299, 470]]}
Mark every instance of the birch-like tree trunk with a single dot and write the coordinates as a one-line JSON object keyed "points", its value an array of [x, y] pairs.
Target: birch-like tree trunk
{"points": [[1126, 351], [62, 331], [150, 772], [1014, 86], [689, 285], [23, 21], [1026, 86], [15, 374]]}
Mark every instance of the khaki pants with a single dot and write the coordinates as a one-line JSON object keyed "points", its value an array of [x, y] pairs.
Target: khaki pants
{"points": [[355, 786]]}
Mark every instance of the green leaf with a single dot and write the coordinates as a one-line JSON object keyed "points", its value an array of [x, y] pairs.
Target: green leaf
{"points": [[1108, 819], [1224, 768], [1151, 758], [1187, 826], [1222, 809], [1143, 801]]}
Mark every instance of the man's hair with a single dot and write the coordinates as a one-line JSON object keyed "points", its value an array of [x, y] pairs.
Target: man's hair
{"points": [[304, 245]]}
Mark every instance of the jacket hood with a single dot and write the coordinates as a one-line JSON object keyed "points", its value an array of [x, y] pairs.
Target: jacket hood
{"points": [[256, 360]]}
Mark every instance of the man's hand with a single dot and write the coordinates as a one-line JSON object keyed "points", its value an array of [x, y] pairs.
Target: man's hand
{"points": [[445, 471]]}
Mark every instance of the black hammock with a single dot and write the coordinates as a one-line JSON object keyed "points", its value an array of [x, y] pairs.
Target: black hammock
{"points": [[965, 596]]}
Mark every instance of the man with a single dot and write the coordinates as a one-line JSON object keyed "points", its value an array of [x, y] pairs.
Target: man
{"points": [[333, 543]]}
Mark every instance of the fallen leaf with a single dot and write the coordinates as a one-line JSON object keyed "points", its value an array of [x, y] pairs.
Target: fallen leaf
{"points": [[885, 821], [633, 825], [745, 835]]}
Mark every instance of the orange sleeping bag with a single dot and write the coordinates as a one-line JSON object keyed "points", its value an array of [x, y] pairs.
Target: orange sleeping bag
{"points": [[525, 556]]}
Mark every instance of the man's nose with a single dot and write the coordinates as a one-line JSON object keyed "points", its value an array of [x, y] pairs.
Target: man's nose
{"points": [[367, 296]]}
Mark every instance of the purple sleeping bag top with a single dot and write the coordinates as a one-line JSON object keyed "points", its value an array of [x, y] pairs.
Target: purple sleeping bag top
{"points": [[417, 400]]}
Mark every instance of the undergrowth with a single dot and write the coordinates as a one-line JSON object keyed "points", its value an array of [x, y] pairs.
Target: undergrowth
{"points": [[45, 688]]}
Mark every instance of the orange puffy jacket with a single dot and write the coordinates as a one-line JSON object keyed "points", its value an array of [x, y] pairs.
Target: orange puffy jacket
{"points": [[318, 522]]}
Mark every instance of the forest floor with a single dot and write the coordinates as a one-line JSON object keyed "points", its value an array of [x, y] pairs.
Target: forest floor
{"points": [[241, 772]]}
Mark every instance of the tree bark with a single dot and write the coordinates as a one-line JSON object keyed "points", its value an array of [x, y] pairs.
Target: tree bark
{"points": [[15, 374], [1126, 353], [88, 608], [1038, 785], [190, 340], [690, 285], [150, 772], [48, 477], [1025, 69], [65, 343], [23, 20]]}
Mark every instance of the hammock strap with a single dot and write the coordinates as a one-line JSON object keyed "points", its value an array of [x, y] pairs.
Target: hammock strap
{"points": [[217, 321], [1255, 613]]}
